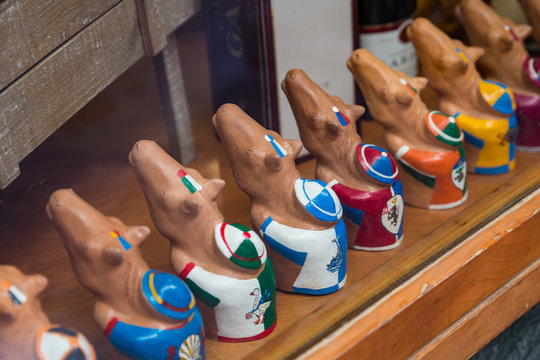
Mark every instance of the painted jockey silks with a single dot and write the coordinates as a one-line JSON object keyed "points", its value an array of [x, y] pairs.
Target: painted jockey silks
{"points": [[245, 309], [171, 297]]}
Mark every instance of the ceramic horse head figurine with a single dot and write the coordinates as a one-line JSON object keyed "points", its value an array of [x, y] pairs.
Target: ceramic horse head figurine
{"points": [[225, 264], [506, 60], [427, 144], [299, 219], [364, 176], [25, 331], [146, 314], [483, 109]]}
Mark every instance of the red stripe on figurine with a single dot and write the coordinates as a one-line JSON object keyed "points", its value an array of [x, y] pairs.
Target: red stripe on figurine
{"points": [[110, 326], [255, 337], [233, 254], [174, 308], [184, 273], [181, 173]]}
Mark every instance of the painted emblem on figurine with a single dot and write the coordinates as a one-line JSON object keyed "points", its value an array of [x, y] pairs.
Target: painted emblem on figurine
{"points": [[150, 314], [426, 144], [25, 331], [225, 264], [392, 214], [299, 219], [337, 261], [506, 61], [260, 305], [191, 348], [362, 180]]}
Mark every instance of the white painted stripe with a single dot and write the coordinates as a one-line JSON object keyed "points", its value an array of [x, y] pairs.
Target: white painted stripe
{"points": [[531, 68], [439, 131], [380, 248], [449, 205], [18, 294], [195, 184], [371, 168], [332, 183], [533, 149], [402, 151]]}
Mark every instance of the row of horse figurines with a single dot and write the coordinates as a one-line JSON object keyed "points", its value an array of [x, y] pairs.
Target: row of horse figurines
{"points": [[152, 314]]}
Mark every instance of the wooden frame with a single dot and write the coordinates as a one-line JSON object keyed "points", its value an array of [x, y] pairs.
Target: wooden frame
{"points": [[84, 52]]}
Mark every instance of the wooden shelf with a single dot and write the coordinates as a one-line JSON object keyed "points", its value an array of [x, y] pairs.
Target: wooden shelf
{"points": [[385, 305], [429, 235]]}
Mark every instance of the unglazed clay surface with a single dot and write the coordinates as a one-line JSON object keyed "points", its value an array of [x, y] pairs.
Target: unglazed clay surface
{"points": [[506, 60], [427, 145], [483, 109], [146, 314], [25, 331], [299, 219], [224, 264], [502, 41], [531, 8], [371, 193]]}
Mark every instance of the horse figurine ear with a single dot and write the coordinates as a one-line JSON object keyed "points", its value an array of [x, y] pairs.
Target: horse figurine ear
{"points": [[332, 127], [451, 62], [35, 284], [190, 206], [113, 256], [504, 41], [403, 97], [214, 187], [356, 112], [522, 31], [295, 146], [418, 82], [273, 162], [474, 52], [137, 234]]}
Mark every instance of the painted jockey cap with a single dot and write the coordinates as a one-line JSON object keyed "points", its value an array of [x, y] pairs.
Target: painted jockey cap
{"points": [[444, 128], [377, 163], [498, 96], [318, 199], [240, 245], [168, 294]]}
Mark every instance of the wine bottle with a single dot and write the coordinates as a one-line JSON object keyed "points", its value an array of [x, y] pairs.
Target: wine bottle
{"points": [[381, 30]]}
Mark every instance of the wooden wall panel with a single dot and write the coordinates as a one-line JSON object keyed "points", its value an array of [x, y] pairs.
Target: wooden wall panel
{"points": [[31, 29], [176, 12], [152, 25], [54, 90]]}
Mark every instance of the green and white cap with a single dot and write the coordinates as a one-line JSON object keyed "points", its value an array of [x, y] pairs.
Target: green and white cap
{"points": [[240, 244]]}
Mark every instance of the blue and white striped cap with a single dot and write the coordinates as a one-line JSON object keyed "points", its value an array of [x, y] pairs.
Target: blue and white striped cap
{"points": [[318, 198]]}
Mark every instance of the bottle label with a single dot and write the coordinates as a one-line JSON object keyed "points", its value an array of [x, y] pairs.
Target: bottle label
{"points": [[387, 43]]}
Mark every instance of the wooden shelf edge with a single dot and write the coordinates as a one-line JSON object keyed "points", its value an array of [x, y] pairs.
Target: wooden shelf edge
{"points": [[439, 303], [350, 302], [474, 330]]}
